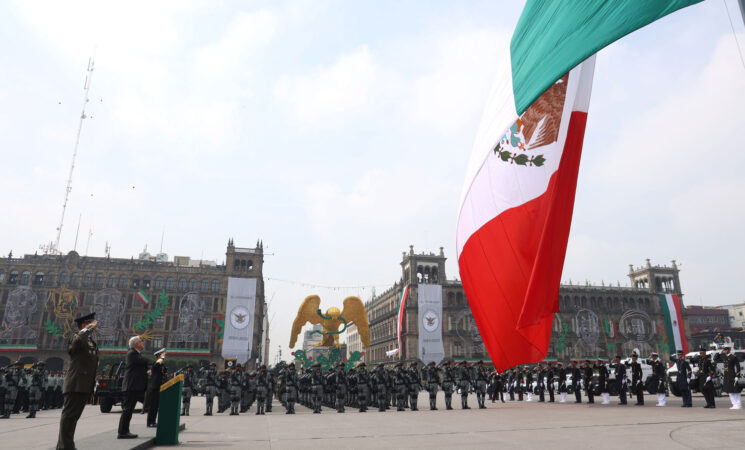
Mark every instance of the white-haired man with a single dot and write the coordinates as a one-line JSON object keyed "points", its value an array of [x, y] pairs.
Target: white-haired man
{"points": [[135, 383]]}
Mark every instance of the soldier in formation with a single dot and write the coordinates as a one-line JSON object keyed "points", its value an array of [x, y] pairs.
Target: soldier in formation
{"points": [[657, 381], [261, 390], [415, 385], [189, 383], [432, 380], [603, 382], [481, 378], [562, 379], [210, 386], [289, 380], [464, 384], [237, 381], [621, 380], [637, 383]]}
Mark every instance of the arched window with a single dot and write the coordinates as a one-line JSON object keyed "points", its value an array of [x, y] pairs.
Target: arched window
{"points": [[182, 284], [250, 265], [49, 279], [38, 278], [205, 285], [63, 279], [112, 281], [88, 280], [136, 283], [2, 276], [75, 280], [99, 280], [215, 285], [236, 264], [146, 283], [193, 284], [159, 283], [123, 282], [25, 276], [170, 284], [13, 277]]}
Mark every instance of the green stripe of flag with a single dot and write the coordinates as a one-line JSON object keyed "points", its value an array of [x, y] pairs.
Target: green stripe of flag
{"points": [[668, 323], [553, 36]]}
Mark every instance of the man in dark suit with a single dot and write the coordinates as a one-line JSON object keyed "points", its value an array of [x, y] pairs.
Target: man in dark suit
{"points": [[80, 379], [135, 383], [158, 376]]}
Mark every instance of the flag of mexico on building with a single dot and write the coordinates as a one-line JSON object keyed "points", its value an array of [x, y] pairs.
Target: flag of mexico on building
{"points": [[518, 197]]}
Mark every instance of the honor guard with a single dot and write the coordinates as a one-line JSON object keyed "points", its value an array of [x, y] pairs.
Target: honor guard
{"points": [[637, 384], [520, 383], [12, 382], [589, 385], [683, 380], [415, 384], [550, 375], [189, 383], [34, 390], [431, 375], [236, 385], [706, 372], [576, 381], [540, 383], [363, 386], [210, 386], [511, 379], [340, 387], [732, 375], [621, 380], [603, 382], [562, 376], [448, 384], [481, 377], [290, 382], [261, 388], [529, 383], [464, 384], [657, 382], [317, 384]]}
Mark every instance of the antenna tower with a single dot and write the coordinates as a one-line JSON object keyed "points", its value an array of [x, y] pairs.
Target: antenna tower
{"points": [[54, 248]]}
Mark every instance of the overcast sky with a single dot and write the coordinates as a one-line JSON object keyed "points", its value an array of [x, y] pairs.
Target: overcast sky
{"points": [[338, 132]]}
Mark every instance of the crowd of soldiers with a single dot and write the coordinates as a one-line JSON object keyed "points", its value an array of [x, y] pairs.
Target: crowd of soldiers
{"points": [[29, 389], [399, 387]]}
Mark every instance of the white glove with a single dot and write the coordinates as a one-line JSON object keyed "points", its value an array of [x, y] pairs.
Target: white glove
{"points": [[708, 379], [689, 379]]}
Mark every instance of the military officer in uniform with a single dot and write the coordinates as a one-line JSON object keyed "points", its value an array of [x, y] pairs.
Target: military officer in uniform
{"points": [[706, 372], [562, 377], [520, 383], [576, 381], [12, 382], [481, 378], [621, 380], [636, 379], [80, 379], [540, 383], [550, 374], [589, 385], [290, 382], [236, 385], [362, 377], [189, 383], [431, 376], [210, 386], [35, 389], [464, 384], [415, 384], [448, 384], [657, 382], [158, 376], [683, 380], [381, 387], [340, 386], [511, 384], [529, 383], [317, 384], [731, 377], [261, 388], [603, 382]]}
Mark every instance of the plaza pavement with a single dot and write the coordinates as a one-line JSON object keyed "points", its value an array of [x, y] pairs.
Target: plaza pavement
{"points": [[510, 425]]}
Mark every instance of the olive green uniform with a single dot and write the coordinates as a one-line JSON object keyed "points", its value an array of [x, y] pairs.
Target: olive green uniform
{"points": [[78, 385]]}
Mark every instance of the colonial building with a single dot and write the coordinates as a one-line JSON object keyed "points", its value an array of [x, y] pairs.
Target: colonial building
{"points": [[173, 304], [703, 319], [593, 322]]}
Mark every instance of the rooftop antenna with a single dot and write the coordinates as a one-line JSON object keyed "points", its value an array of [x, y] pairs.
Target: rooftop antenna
{"points": [[107, 249], [55, 249], [88, 242], [161, 240], [75, 247]]}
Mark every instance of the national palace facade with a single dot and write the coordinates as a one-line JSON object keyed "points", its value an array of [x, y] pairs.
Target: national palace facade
{"points": [[593, 322], [178, 304]]}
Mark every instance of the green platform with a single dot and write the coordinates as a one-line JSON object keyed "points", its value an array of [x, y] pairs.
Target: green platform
{"points": [[169, 411]]}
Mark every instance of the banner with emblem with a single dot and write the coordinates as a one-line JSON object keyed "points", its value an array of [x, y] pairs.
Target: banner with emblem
{"points": [[239, 319], [429, 298]]}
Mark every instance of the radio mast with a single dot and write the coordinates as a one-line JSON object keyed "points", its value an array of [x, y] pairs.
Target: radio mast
{"points": [[54, 247]]}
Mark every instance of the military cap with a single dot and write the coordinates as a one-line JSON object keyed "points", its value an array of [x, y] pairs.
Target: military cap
{"points": [[18, 363], [238, 366], [481, 361], [464, 362], [414, 363], [263, 367], [618, 357], [40, 363], [587, 361], [655, 354], [634, 355], [559, 363], [159, 351], [431, 363], [381, 365], [702, 348], [680, 352], [189, 366], [728, 346], [86, 318], [292, 364]]}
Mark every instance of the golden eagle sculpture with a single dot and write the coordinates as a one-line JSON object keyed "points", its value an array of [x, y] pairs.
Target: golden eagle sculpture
{"points": [[353, 313]]}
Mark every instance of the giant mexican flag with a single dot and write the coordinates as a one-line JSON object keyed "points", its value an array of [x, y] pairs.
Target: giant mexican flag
{"points": [[676, 335], [517, 202]]}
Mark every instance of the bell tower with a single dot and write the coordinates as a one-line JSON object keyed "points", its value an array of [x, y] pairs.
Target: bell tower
{"points": [[424, 268]]}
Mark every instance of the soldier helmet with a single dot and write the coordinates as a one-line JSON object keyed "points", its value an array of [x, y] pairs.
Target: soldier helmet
{"points": [[189, 367], [40, 363], [292, 364], [559, 363], [263, 367], [463, 363], [587, 361], [702, 348], [414, 363], [381, 365], [617, 357]]}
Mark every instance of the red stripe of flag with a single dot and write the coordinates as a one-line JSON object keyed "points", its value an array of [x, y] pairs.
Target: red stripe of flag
{"points": [[681, 328]]}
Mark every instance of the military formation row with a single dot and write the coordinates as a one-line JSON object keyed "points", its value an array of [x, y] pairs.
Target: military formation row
{"points": [[29, 389]]}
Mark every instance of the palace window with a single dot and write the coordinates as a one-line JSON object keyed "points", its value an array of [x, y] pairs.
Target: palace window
{"points": [[112, 281], [192, 284], [123, 282], [146, 283], [63, 278], [170, 284], [38, 278], [135, 283], [159, 321], [49, 279], [205, 285], [159, 283], [182, 284], [215, 285], [25, 277], [157, 342], [88, 280], [75, 280], [99, 280], [13, 277]]}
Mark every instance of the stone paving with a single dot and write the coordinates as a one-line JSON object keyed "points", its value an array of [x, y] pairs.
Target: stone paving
{"points": [[509, 425]]}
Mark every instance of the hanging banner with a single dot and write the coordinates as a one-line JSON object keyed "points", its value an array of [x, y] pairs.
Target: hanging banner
{"points": [[399, 321], [430, 323], [239, 319]]}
